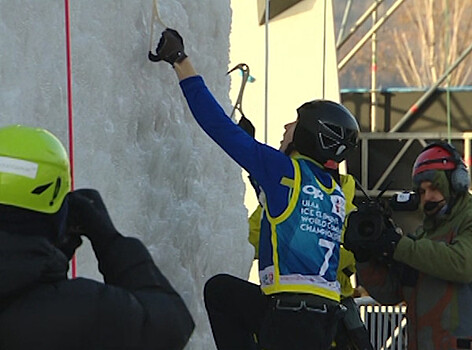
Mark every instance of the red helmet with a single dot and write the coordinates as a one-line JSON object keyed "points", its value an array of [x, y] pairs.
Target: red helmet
{"points": [[441, 156], [434, 158]]}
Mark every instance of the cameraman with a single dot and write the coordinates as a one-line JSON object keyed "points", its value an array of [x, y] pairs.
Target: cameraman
{"points": [[41, 225], [432, 269]]}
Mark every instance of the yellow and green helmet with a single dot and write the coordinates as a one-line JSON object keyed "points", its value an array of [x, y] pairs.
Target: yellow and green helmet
{"points": [[34, 169]]}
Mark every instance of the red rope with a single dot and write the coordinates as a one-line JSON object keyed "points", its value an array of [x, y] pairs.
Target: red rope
{"points": [[69, 110]]}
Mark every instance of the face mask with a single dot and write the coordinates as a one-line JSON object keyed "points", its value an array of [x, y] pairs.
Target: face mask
{"points": [[431, 208]]}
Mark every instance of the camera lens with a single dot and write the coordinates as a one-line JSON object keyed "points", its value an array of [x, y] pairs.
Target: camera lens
{"points": [[366, 228]]}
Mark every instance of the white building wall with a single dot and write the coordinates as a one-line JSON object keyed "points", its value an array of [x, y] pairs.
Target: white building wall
{"points": [[302, 64]]}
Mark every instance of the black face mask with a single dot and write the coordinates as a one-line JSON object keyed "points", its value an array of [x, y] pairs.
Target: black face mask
{"points": [[430, 208]]}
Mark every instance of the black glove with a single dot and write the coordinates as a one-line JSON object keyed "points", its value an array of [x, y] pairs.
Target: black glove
{"points": [[68, 243], [89, 217], [386, 244], [247, 126], [381, 247], [361, 254], [170, 48]]}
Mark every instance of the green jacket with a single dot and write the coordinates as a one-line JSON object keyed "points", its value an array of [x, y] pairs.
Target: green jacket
{"points": [[433, 275]]}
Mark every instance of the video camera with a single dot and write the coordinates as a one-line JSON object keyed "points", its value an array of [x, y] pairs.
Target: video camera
{"points": [[370, 229], [372, 217]]}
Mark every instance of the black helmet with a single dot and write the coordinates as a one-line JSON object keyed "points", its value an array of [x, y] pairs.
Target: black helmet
{"points": [[326, 130]]}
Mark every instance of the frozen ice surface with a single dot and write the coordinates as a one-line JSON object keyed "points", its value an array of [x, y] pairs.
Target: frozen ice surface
{"points": [[134, 138]]}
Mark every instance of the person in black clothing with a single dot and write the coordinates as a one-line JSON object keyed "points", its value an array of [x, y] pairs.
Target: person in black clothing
{"points": [[41, 225]]}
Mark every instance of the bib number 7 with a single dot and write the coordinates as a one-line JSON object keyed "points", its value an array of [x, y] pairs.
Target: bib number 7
{"points": [[329, 253]]}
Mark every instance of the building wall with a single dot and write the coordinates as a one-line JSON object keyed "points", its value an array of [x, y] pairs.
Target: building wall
{"points": [[301, 64]]}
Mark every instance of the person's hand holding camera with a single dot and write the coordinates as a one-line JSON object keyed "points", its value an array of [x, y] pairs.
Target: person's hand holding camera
{"points": [[68, 243], [89, 217], [385, 246]]}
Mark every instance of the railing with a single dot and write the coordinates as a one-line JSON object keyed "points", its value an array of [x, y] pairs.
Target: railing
{"points": [[387, 326]]}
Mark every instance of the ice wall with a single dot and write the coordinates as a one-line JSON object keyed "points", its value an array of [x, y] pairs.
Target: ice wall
{"points": [[134, 139]]}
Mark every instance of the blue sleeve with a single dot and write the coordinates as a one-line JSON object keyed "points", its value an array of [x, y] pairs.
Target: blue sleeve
{"points": [[266, 164]]}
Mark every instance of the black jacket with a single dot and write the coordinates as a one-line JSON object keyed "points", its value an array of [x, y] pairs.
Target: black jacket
{"points": [[136, 307]]}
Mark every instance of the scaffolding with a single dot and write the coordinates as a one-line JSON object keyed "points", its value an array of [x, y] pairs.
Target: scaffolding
{"points": [[387, 325], [398, 131]]}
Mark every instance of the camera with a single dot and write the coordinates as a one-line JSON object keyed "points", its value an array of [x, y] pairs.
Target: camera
{"points": [[368, 222], [405, 201], [373, 217]]}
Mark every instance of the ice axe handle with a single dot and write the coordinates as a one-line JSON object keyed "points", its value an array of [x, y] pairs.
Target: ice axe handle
{"points": [[152, 57]]}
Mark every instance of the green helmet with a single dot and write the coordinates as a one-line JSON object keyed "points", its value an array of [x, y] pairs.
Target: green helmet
{"points": [[34, 169]]}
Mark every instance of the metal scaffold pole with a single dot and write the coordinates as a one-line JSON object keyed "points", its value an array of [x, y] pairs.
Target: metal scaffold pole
{"points": [[414, 108], [368, 35]]}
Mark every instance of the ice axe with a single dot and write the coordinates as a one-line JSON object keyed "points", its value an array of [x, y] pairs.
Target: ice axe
{"points": [[244, 123], [154, 19], [244, 68]]}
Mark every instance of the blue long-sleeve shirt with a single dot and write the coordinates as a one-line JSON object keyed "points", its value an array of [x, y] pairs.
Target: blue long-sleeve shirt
{"points": [[266, 164], [299, 244]]}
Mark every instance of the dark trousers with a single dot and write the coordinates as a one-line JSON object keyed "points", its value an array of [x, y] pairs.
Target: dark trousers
{"points": [[352, 333], [243, 318]]}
